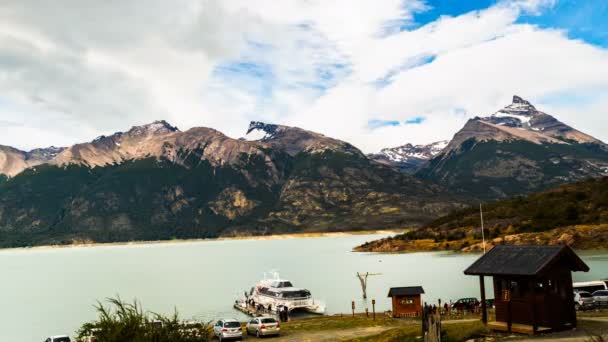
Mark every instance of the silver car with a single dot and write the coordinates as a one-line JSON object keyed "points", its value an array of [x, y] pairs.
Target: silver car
{"points": [[583, 300], [263, 326], [228, 329], [600, 298]]}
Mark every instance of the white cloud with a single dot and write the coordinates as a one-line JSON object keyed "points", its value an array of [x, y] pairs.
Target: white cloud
{"points": [[74, 71]]}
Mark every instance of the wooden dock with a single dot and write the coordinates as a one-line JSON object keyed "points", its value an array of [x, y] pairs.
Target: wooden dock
{"points": [[250, 311]]}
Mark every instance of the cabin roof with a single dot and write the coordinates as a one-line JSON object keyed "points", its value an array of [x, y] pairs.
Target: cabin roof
{"points": [[405, 291], [525, 260]]}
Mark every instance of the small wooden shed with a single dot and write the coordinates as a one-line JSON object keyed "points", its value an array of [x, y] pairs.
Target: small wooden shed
{"points": [[407, 301], [532, 287]]}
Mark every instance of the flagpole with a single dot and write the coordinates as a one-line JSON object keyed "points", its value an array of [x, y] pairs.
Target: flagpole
{"points": [[483, 238]]}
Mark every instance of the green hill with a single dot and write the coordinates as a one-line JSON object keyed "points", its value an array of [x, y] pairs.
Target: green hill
{"points": [[542, 217]]}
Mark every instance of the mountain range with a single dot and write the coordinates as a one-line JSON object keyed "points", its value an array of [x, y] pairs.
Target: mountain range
{"points": [[157, 182]]}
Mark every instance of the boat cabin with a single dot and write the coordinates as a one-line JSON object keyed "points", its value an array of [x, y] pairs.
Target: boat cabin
{"points": [[532, 287], [407, 301]]}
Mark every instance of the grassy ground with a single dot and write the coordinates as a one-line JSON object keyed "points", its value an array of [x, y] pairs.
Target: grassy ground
{"points": [[385, 329], [454, 331], [342, 322]]}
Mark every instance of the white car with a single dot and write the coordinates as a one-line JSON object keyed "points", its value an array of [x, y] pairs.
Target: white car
{"points": [[228, 329], [59, 338], [263, 326]]}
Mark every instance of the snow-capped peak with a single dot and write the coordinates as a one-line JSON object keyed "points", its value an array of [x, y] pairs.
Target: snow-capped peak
{"points": [[156, 127], [259, 131], [517, 114]]}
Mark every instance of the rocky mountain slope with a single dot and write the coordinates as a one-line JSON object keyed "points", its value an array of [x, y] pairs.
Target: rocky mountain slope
{"points": [[409, 158], [516, 150], [157, 182], [574, 213]]}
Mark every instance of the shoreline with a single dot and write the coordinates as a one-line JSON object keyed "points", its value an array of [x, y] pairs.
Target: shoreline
{"points": [[227, 238], [579, 237]]}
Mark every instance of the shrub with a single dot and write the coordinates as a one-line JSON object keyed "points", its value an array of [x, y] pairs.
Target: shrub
{"points": [[128, 322]]}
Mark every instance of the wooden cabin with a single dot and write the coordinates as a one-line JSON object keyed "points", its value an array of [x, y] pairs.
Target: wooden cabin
{"points": [[407, 301], [532, 287]]}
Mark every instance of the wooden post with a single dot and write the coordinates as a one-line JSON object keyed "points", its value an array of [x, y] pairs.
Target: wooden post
{"points": [[484, 312], [509, 319], [353, 306], [367, 312], [532, 285], [374, 308]]}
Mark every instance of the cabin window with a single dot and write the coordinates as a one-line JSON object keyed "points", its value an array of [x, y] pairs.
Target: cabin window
{"points": [[515, 289], [407, 301]]}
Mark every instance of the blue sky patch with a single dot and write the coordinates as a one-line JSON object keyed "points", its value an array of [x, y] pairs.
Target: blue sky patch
{"points": [[255, 77], [415, 121], [433, 11], [586, 20], [378, 123]]}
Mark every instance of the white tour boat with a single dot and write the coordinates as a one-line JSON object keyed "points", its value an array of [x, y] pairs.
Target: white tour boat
{"points": [[275, 292]]}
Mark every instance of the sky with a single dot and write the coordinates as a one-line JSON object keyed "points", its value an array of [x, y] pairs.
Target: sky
{"points": [[374, 73]]}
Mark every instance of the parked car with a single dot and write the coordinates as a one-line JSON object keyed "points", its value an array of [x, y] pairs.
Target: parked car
{"points": [[228, 329], [263, 326], [58, 338], [466, 304], [583, 300], [600, 298]]}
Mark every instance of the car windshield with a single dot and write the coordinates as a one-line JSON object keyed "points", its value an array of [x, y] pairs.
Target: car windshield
{"points": [[268, 320], [232, 324], [585, 294], [61, 339]]}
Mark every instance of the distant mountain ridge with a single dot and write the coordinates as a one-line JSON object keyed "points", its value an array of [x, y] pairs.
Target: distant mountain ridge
{"points": [[409, 158], [14, 161]]}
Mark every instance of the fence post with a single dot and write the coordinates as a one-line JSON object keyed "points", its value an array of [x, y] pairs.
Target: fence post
{"points": [[353, 306], [374, 308]]}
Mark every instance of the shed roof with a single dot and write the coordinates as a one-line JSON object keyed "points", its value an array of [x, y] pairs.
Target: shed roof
{"points": [[405, 291], [525, 260]]}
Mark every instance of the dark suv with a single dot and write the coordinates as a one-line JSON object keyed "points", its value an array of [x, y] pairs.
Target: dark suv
{"points": [[466, 304]]}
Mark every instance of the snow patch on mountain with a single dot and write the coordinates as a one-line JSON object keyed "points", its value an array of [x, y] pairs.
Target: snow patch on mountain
{"points": [[408, 151], [259, 131], [517, 115]]}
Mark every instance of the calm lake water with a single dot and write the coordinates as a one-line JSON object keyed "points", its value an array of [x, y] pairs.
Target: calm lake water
{"points": [[52, 291]]}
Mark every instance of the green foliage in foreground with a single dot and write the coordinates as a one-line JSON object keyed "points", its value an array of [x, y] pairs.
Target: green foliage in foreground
{"points": [[128, 322]]}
